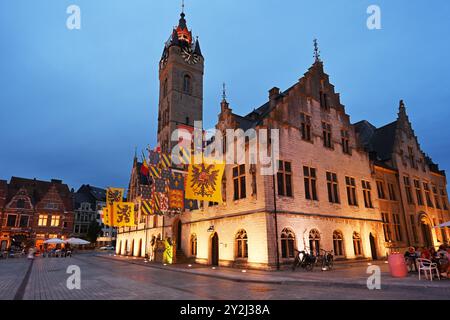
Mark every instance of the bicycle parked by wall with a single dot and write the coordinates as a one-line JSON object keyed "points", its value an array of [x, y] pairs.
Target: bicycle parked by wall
{"points": [[304, 260], [325, 260]]}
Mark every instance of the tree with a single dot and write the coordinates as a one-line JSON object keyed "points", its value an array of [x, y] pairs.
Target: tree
{"points": [[94, 231]]}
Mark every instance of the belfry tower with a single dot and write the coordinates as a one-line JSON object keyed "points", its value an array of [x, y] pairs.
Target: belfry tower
{"points": [[181, 83]]}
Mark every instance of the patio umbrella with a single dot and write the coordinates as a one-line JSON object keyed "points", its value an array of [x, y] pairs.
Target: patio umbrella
{"points": [[76, 241], [54, 241], [445, 224]]}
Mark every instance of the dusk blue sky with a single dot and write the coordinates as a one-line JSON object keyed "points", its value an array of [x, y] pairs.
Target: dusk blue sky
{"points": [[75, 104]]}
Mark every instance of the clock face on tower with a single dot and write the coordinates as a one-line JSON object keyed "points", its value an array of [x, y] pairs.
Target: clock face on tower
{"points": [[189, 56]]}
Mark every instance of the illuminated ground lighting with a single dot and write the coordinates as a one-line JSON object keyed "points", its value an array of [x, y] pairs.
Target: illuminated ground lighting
{"points": [[214, 268], [324, 269], [386, 262], [190, 265], [244, 271], [369, 264], [165, 264]]}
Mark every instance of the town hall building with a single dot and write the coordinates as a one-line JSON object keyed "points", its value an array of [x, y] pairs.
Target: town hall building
{"points": [[353, 188]]}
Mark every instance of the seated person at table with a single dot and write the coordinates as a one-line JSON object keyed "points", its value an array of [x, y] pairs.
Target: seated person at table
{"points": [[425, 254], [444, 261]]}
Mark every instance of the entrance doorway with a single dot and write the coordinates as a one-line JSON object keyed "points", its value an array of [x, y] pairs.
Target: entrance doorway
{"points": [[139, 248], [426, 234], [215, 249], [179, 226], [373, 247]]}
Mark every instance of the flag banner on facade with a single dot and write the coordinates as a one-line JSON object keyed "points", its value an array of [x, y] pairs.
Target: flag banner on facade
{"points": [[146, 193], [176, 199], [204, 181], [190, 204], [106, 217], [176, 181], [154, 157], [165, 174], [114, 195], [124, 214], [155, 172], [165, 160], [160, 185], [144, 167], [147, 207], [163, 202]]}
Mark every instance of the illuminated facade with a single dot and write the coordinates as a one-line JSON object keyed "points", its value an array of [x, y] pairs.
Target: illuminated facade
{"points": [[33, 211], [327, 194]]}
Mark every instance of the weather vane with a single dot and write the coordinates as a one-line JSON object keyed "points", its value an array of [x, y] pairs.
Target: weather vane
{"points": [[316, 50], [224, 92]]}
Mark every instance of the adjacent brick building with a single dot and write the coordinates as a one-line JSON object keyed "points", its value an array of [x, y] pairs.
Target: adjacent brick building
{"points": [[352, 188], [32, 211]]}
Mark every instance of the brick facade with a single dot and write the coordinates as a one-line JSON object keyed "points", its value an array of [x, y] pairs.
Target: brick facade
{"points": [[35, 210]]}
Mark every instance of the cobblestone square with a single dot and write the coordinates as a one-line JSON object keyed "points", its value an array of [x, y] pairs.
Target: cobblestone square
{"points": [[113, 278]]}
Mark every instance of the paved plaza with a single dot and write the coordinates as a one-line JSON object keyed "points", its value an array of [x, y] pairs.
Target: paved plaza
{"points": [[119, 278]]}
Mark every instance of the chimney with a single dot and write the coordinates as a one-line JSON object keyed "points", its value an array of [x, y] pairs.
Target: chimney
{"points": [[56, 181], [274, 93]]}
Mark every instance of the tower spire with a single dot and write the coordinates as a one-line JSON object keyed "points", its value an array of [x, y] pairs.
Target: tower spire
{"points": [[316, 51], [182, 6], [224, 92]]}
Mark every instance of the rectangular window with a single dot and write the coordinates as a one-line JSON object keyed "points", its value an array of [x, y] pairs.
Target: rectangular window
{"points": [[305, 127], [380, 189], [386, 227], [392, 195], [310, 183], [351, 191], [436, 198], [42, 222], [367, 191], [24, 221], [323, 100], [426, 187], [345, 137], [397, 227], [11, 220], [444, 200], [55, 221], [418, 192], [412, 159], [326, 134], [239, 182], [332, 185], [284, 179], [408, 191]]}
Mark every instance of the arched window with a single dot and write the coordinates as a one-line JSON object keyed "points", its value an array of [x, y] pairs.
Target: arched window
{"points": [[338, 243], [241, 244], [287, 243], [357, 245], [314, 241], [165, 88], [194, 245], [187, 84]]}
